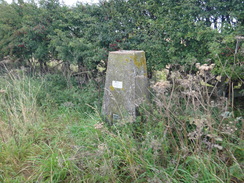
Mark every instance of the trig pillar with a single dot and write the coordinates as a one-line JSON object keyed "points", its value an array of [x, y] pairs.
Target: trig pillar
{"points": [[126, 86]]}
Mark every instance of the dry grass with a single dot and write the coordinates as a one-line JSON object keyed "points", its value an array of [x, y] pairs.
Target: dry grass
{"points": [[181, 137]]}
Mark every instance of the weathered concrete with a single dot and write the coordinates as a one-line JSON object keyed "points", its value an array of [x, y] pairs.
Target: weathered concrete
{"points": [[126, 85]]}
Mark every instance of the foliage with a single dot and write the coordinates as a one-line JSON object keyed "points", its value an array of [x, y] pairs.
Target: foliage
{"points": [[51, 131], [58, 92], [10, 21], [182, 32]]}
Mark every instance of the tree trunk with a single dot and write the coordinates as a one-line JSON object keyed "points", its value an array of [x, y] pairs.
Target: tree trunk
{"points": [[67, 73], [82, 69], [66, 69], [41, 66]]}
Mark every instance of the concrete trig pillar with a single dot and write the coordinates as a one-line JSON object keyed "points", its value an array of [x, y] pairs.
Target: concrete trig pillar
{"points": [[126, 85]]}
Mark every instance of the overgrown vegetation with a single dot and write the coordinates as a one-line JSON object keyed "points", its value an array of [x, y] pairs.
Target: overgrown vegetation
{"points": [[53, 59], [51, 131]]}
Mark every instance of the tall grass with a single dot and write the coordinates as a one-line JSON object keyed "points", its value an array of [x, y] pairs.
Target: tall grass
{"points": [[18, 106], [34, 146], [51, 132]]}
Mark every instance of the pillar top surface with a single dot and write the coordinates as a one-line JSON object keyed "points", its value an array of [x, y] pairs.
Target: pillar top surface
{"points": [[127, 52]]}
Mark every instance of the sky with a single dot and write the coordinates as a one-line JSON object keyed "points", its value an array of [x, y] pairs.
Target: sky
{"points": [[71, 2]]}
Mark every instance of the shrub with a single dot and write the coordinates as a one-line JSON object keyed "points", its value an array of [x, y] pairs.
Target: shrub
{"points": [[57, 92]]}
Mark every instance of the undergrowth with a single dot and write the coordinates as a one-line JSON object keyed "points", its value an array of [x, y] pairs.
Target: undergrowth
{"points": [[52, 131]]}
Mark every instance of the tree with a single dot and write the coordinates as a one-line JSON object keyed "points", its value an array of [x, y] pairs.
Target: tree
{"points": [[169, 31], [76, 38], [10, 23]]}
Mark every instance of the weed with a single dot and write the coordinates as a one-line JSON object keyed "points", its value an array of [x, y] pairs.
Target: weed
{"points": [[52, 132]]}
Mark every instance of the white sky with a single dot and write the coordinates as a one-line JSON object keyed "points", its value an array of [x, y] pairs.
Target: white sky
{"points": [[71, 2]]}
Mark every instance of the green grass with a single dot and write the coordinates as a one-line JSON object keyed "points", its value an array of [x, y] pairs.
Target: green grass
{"points": [[53, 133]]}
